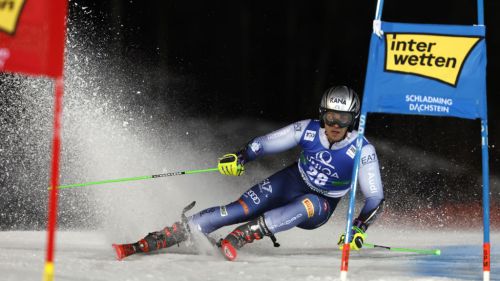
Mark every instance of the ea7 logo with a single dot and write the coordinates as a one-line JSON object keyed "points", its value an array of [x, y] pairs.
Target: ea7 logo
{"points": [[10, 11], [438, 57]]}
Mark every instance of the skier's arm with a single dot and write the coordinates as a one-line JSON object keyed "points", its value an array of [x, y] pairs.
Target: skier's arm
{"points": [[371, 186], [275, 142]]}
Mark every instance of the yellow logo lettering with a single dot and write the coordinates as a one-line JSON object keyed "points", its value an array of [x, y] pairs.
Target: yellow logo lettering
{"points": [[439, 57], [10, 10], [309, 207]]}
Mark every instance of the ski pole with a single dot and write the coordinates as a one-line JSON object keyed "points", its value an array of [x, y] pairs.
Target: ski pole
{"points": [[138, 178], [435, 252]]}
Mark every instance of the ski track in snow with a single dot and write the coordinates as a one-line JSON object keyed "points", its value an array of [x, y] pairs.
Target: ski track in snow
{"points": [[304, 255]]}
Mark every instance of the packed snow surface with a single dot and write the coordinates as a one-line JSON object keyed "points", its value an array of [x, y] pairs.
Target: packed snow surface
{"points": [[304, 255]]}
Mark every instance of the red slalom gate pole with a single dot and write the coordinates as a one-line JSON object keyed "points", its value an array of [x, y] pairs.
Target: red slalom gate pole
{"points": [[345, 261], [486, 261], [54, 182]]}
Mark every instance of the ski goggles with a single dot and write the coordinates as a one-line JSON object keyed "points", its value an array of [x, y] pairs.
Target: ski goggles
{"points": [[341, 118]]}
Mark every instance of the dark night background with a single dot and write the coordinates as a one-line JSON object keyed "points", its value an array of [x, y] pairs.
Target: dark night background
{"points": [[242, 53], [273, 59], [270, 61]]}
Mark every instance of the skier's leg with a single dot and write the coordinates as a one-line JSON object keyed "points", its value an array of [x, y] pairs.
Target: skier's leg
{"points": [[328, 205], [263, 196], [268, 194], [307, 211], [205, 221]]}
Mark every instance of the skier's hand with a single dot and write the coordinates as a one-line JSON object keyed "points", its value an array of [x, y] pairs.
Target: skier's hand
{"points": [[357, 238], [231, 165]]}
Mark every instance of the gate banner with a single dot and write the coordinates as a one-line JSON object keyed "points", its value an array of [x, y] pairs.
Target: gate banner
{"points": [[32, 36], [427, 69]]}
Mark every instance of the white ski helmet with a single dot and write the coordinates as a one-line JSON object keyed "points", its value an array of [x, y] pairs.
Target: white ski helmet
{"points": [[341, 99]]}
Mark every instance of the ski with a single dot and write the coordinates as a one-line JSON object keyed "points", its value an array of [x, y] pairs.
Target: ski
{"points": [[124, 250]]}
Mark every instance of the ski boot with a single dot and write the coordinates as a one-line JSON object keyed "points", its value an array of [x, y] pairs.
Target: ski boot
{"points": [[169, 236], [244, 234]]}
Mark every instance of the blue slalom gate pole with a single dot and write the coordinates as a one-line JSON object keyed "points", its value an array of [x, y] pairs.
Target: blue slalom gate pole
{"points": [[480, 12], [344, 266], [486, 174], [486, 200], [352, 197], [380, 7]]}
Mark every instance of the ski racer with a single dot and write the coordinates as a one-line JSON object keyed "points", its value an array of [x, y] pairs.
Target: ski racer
{"points": [[304, 194]]}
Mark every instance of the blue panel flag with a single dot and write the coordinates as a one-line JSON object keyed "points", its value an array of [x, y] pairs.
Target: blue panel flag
{"points": [[427, 69]]}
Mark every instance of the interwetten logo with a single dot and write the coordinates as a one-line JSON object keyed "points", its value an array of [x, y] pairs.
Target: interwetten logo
{"points": [[10, 10], [439, 57]]}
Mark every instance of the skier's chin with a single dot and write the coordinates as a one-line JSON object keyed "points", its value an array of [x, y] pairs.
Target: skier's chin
{"points": [[336, 137], [335, 134]]}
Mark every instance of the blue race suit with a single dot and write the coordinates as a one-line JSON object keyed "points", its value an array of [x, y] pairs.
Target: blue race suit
{"points": [[305, 193]]}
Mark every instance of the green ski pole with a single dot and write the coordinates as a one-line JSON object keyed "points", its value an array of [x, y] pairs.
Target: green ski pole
{"points": [[435, 252], [189, 172]]}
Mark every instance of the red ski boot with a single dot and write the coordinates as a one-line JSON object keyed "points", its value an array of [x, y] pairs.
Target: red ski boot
{"points": [[165, 238], [228, 250], [242, 235]]}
